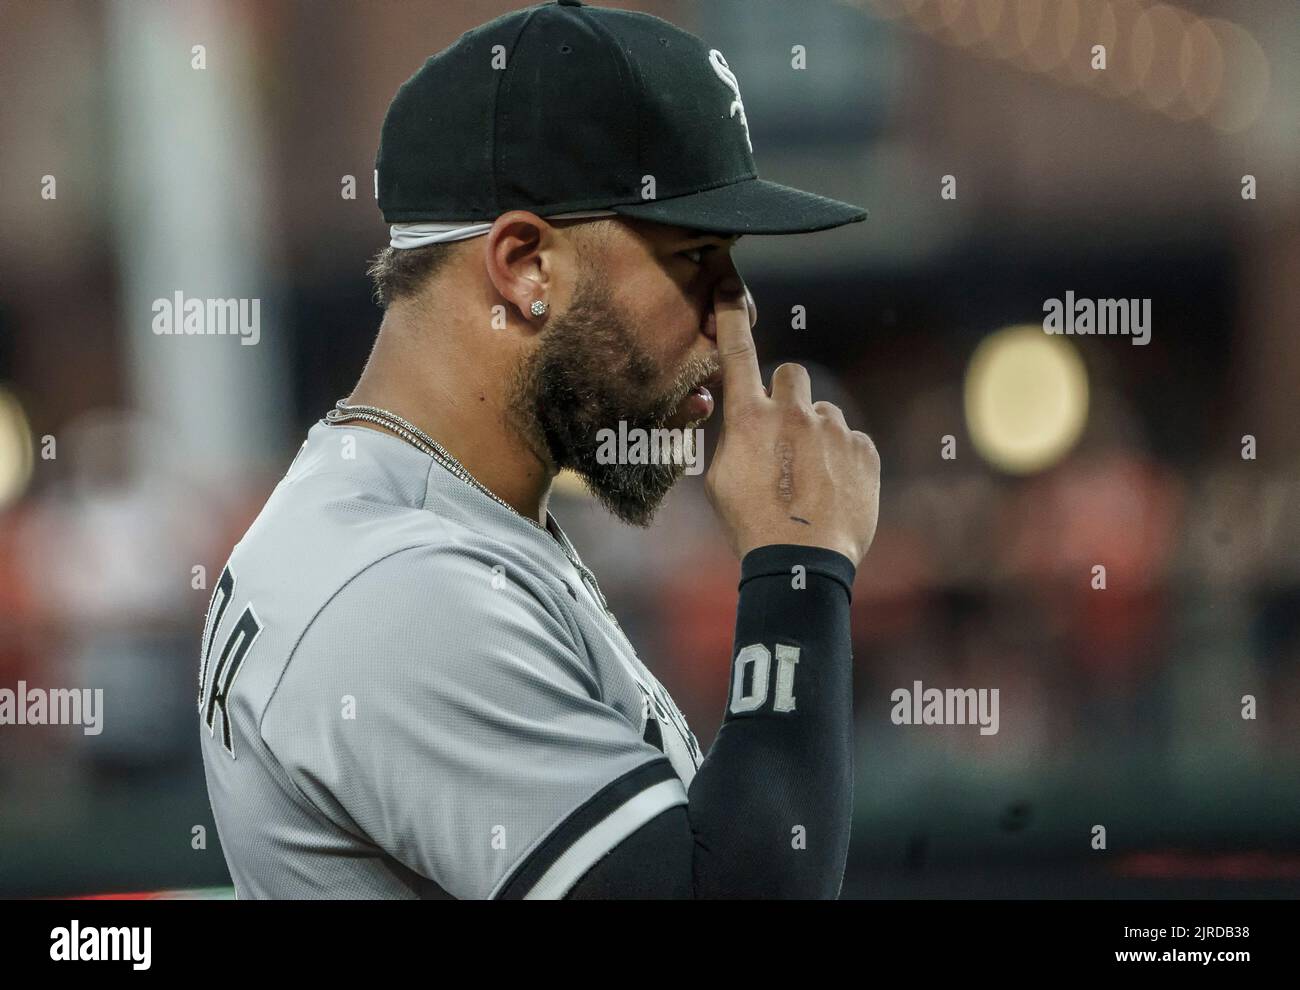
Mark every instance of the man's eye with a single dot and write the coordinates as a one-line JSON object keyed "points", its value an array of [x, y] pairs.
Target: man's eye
{"points": [[695, 255]]}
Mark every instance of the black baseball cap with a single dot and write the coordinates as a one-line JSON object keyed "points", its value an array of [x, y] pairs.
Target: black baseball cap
{"points": [[566, 107]]}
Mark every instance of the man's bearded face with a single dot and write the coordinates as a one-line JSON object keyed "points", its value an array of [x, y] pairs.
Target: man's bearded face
{"points": [[588, 374]]}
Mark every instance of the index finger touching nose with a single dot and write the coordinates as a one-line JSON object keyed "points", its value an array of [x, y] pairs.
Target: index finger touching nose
{"points": [[741, 378]]}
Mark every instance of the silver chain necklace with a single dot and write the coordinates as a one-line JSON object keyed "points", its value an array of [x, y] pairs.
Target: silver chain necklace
{"points": [[421, 441], [417, 438]]}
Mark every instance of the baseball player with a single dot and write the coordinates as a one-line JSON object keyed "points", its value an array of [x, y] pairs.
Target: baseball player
{"points": [[410, 685]]}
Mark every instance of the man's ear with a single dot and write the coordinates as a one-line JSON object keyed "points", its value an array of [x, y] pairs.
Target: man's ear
{"points": [[523, 255]]}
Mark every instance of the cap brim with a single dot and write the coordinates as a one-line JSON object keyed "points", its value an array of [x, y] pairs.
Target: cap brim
{"points": [[753, 206]]}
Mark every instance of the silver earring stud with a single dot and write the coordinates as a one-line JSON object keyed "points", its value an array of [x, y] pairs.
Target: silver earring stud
{"points": [[538, 308]]}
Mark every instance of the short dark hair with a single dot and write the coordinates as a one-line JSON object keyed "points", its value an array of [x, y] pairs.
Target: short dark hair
{"points": [[403, 272]]}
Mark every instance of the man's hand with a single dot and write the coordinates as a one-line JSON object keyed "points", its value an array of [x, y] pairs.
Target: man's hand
{"points": [[787, 470]]}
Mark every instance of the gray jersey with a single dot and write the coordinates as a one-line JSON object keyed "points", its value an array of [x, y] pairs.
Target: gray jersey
{"points": [[408, 690]]}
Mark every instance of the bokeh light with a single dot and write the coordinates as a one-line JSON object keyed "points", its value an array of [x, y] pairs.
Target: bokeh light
{"points": [[15, 448], [1026, 398]]}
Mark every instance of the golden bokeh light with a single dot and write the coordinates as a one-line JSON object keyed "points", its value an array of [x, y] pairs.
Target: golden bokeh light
{"points": [[15, 449], [1026, 398]]}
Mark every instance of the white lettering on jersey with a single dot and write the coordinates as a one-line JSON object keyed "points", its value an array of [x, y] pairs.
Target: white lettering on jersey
{"points": [[675, 737]]}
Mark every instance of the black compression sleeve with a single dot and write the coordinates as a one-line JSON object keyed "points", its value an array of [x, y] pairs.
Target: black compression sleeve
{"points": [[769, 810]]}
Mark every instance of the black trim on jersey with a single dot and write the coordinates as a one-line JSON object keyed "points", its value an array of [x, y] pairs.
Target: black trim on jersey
{"points": [[606, 801]]}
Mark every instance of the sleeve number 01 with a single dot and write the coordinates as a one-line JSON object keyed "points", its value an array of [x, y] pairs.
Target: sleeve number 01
{"points": [[757, 659]]}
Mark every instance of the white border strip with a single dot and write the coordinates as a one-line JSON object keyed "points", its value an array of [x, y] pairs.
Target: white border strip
{"points": [[600, 839]]}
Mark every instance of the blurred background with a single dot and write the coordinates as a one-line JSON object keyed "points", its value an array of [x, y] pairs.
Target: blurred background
{"points": [[225, 149]]}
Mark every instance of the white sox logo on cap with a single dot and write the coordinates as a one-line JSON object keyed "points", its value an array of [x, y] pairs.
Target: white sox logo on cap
{"points": [[724, 72]]}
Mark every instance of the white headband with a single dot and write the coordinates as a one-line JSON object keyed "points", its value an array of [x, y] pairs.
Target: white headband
{"points": [[414, 235]]}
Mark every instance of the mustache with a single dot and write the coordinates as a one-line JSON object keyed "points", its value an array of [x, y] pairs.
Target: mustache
{"points": [[696, 372]]}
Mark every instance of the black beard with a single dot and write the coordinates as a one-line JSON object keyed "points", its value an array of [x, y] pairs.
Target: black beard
{"points": [[588, 374]]}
